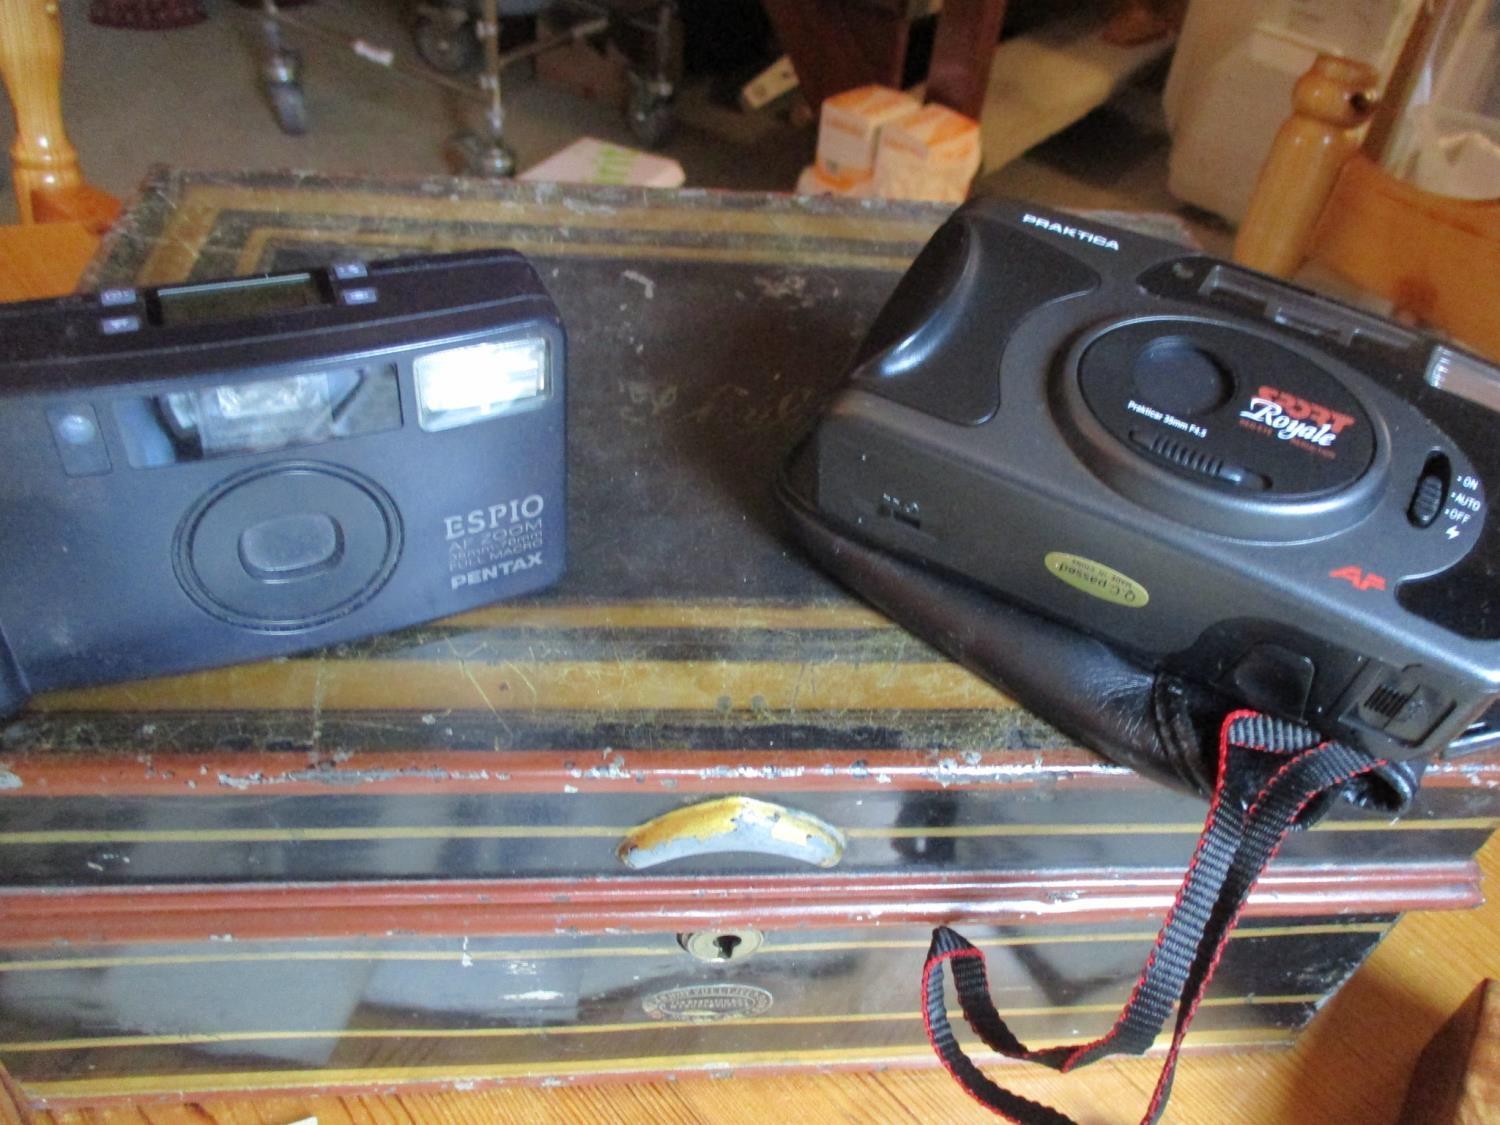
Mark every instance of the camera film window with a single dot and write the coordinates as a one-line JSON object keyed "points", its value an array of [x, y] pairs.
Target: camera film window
{"points": [[460, 386], [232, 300], [259, 416]]}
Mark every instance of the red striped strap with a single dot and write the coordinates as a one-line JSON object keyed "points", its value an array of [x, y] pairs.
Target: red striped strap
{"points": [[1292, 776]]}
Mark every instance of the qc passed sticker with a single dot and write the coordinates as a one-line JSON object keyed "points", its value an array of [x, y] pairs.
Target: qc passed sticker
{"points": [[1097, 580]]}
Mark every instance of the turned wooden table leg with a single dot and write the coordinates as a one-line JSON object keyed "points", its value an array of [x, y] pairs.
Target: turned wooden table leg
{"points": [[31, 64], [1330, 103]]}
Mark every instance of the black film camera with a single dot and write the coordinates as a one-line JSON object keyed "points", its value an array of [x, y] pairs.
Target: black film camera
{"points": [[209, 473], [1225, 476]]}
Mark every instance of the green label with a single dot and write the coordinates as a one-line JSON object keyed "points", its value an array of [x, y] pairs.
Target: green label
{"points": [[1096, 579]]}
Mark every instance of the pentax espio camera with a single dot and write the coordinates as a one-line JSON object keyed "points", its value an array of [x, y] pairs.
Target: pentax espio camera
{"points": [[1222, 475], [201, 474]]}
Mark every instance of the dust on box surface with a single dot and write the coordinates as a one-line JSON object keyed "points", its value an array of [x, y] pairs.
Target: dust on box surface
{"points": [[689, 653]]}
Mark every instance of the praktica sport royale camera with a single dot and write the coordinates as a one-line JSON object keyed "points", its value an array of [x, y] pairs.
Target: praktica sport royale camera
{"points": [[1224, 476], [208, 473]]}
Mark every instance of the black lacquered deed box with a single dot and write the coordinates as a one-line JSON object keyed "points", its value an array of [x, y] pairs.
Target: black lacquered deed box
{"points": [[695, 810]]}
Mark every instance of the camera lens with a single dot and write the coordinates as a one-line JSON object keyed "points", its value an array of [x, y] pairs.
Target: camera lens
{"points": [[1175, 375]]}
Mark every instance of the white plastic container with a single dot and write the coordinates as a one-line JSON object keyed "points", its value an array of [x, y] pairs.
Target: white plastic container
{"points": [[1447, 140]]}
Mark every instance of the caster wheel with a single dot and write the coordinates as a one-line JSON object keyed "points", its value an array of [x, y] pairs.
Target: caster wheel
{"points": [[651, 117], [446, 46], [289, 106], [485, 157]]}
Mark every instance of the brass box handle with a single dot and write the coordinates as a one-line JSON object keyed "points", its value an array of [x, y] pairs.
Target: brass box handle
{"points": [[732, 824]]}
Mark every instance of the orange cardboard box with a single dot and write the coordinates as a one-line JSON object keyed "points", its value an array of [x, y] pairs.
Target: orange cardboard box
{"points": [[850, 127], [931, 154], [815, 181]]}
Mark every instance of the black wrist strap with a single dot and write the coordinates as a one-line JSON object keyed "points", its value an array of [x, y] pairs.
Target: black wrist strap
{"points": [[1292, 777]]}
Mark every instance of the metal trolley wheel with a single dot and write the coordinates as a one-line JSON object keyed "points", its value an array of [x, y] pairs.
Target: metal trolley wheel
{"points": [[650, 113], [446, 40], [477, 153], [289, 105], [452, 37], [281, 75], [653, 43]]}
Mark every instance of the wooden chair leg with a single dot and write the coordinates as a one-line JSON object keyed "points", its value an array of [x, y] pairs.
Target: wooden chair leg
{"points": [[1144, 21], [13, 1109], [837, 45], [31, 64], [1329, 104], [962, 50]]}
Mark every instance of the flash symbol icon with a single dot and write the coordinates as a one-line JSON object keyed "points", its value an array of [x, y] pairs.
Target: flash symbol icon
{"points": [[1452, 533]]}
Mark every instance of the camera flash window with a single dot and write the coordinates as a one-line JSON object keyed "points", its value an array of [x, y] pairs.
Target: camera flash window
{"points": [[459, 386]]}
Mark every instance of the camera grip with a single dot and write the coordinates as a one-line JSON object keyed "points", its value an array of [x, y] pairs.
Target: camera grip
{"points": [[1151, 721], [1087, 689]]}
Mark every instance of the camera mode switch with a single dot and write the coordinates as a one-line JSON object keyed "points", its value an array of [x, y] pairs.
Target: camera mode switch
{"points": [[1427, 501], [1431, 491]]}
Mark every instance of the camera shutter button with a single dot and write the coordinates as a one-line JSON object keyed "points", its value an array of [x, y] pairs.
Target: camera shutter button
{"points": [[286, 548]]}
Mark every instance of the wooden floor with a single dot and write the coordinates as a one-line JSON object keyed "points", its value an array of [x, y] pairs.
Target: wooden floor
{"points": [[1352, 1065]]}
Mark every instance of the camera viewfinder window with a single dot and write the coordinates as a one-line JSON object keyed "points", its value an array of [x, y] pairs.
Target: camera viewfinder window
{"points": [[259, 416]]}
